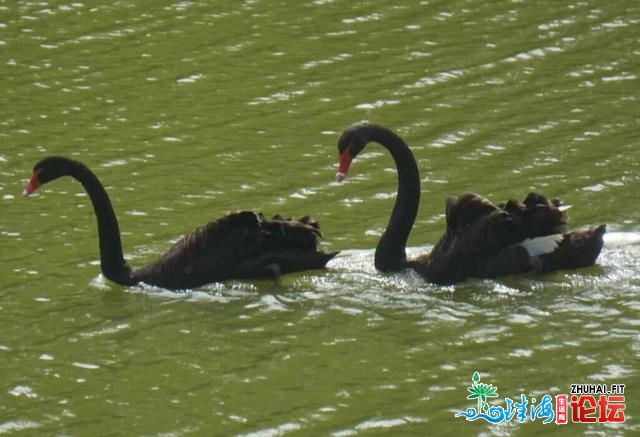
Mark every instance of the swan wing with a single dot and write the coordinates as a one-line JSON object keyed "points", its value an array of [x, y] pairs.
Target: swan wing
{"points": [[475, 227], [238, 245], [487, 240]]}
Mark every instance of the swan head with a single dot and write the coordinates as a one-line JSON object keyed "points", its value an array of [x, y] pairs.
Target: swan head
{"points": [[350, 144], [45, 171]]}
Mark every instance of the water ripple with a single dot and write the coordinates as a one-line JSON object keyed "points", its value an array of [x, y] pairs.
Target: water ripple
{"points": [[12, 426]]}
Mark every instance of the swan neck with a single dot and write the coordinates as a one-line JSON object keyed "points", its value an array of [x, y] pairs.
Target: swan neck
{"points": [[390, 253], [112, 262]]}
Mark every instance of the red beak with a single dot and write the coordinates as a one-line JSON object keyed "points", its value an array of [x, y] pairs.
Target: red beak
{"points": [[345, 163], [32, 185]]}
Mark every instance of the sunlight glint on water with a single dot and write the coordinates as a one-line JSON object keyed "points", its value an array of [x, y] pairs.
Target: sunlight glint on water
{"points": [[189, 110]]}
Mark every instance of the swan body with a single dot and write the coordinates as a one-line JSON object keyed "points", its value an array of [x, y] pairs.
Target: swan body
{"points": [[238, 245], [481, 240]]}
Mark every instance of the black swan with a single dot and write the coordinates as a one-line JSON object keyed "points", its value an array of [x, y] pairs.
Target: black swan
{"points": [[482, 240], [237, 245]]}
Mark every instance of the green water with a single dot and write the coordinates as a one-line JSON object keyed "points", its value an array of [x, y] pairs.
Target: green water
{"points": [[191, 109]]}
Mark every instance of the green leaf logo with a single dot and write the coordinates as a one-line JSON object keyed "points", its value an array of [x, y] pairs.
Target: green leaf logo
{"points": [[481, 392]]}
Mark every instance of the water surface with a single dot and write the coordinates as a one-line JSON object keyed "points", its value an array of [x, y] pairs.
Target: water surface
{"points": [[191, 109]]}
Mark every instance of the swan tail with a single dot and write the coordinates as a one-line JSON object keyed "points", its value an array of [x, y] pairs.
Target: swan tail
{"points": [[263, 237], [282, 233], [576, 250], [292, 244], [538, 216]]}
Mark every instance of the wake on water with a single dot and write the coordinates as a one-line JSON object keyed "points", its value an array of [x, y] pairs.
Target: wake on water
{"points": [[352, 275]]}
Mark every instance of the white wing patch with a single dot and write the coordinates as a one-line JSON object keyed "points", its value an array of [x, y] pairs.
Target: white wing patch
{"points": [[541, 245]]}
